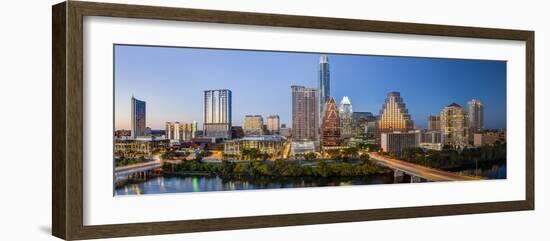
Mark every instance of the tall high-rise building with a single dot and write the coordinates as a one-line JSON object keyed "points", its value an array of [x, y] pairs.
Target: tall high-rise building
{"points": [[454, 126], [363, 123], [137, 118], [305, 113], [330, 129], [217, 113], [394, 115], [273, 124], [434, 123], [253, 125], [324, 84], [346, 117], [475, 114]]}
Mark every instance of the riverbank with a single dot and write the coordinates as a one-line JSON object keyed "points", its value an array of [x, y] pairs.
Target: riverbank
{"points": [[279, 168], [182, 184], [204, 182]]}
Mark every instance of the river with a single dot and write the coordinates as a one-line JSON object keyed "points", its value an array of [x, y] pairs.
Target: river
{"points": [[178, 184]]}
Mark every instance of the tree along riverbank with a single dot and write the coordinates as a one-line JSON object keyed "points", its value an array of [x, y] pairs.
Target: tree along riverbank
{"points": [[274, 169], [450, 159]]}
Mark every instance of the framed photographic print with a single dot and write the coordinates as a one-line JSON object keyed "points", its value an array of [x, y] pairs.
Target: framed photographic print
{"points": [[171, 120]]}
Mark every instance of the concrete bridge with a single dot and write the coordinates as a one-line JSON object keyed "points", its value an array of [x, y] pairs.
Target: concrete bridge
{"points": [[417, 172], [137, 170]]}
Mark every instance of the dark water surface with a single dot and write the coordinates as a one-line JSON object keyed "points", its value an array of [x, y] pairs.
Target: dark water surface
{"points": [[177, 184]]}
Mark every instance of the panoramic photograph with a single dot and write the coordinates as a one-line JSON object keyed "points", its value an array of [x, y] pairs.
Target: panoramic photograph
{"points": [[203, 120]]}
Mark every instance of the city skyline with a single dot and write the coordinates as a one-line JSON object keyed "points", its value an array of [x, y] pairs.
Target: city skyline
{"points": [[427, 85]]}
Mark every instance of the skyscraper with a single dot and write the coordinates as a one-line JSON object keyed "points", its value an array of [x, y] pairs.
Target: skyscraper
{"points": [[475, 114], [137, 119], [361, 122], [273, 124], [434, 123], [454, 126], [217, 113], [394, 115], [324, 84], [330, 130], [305, 113], [253, 125], [346, 117]]}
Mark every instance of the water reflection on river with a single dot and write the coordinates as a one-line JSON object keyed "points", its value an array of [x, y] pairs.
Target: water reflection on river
{"points": [[177, 184]]}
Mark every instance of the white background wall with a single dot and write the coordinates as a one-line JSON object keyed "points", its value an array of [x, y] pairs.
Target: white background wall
{"points": [[25, 122]]}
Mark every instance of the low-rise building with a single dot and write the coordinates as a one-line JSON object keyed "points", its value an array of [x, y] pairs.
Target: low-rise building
{"points": [[141, 145], [431, 137], [270, 144], [431, 140], [273, 124], [237, 132], [286, 132], [396, 142], [301, 147], [179, 132], [253, 125], [488, 138]]}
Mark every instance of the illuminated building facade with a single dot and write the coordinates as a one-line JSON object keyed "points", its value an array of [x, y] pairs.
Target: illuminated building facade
{"points": [[176, 131], [217, 113], [434, 123], [273, 124], [301, 147], [394, 115], [271, 145], [346, 117], [454, 126], [141, 145], [253, 125], [305, 124], [330, 130]]}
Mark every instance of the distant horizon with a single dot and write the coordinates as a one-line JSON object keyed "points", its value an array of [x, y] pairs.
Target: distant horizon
{"points": [[171, 80]]}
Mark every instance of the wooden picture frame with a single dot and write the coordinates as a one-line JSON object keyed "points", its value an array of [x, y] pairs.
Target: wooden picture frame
{"points": [[67, 123]]}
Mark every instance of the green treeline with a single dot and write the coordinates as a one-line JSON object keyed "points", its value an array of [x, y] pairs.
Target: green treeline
{"points": [[125, 161], [449, 158], [279, 168]]}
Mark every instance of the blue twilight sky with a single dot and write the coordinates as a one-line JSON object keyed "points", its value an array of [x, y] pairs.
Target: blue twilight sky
{"points": [[171, 80]]}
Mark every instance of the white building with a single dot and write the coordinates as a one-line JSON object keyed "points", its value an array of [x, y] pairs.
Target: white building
{"points": [[217, 113], [396, 142], [301, 147], [177, 132]]}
